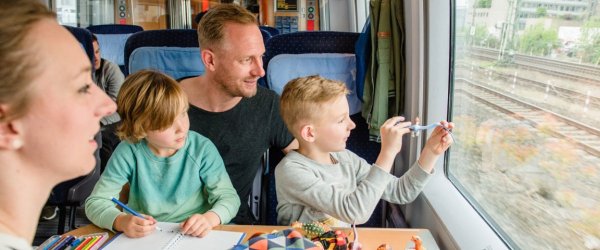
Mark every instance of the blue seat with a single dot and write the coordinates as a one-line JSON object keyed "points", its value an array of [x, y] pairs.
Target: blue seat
{"points": [[271, 30], [173, 52], [85, 40], [112, 38], [115, 28], [331, 55], [266, 35], [72, 193]]}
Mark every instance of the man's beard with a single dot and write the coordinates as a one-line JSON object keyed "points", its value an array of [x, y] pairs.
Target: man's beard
{"points": [[234, 90]]}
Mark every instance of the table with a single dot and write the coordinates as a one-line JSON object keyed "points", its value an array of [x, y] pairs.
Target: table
{"points": [[370, 238]]}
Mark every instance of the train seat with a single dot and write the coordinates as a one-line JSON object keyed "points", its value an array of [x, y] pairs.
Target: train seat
{"points": [[271, 30], [341, 67], [173, 52], [112, 38], [329, 54]]}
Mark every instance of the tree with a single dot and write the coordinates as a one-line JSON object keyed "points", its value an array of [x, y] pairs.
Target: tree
{"points": [[485, 4], [536, 40], [541, 12], [589, 42], [481, 34]]}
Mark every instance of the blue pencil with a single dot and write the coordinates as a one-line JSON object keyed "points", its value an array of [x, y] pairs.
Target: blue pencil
{"points": [[131, 211]]}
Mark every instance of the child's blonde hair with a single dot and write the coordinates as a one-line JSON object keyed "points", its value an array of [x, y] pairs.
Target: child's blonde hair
{"points": [[303, 97], [147, 101]]}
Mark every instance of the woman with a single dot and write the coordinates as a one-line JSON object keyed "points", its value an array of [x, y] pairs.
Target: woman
{"points": [[50, 111]]}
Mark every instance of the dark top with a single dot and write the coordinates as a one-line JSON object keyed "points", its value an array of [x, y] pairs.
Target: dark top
{"points": [[242, 134]]}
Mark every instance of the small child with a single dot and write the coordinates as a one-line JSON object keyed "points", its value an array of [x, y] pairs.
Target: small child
{"points": [[324, 182], [175, 175]]}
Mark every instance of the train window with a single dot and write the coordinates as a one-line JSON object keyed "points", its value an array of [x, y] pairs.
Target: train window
{"points": [[150, 14], [526, 96], [83, 13]]}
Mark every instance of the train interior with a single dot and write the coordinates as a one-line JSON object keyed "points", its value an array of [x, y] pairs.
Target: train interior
{"points": [[519, 78]]}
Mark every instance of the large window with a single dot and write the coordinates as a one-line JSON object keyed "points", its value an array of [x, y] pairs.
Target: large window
{"points": [[526, 99]]}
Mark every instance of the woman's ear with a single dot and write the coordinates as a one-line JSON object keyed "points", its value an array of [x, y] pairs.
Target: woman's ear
{"points": [[307, 132], [9, 137]]}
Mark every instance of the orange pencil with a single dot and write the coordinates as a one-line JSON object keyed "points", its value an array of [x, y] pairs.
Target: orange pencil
{"points": [[83, 243], [91, 243]]}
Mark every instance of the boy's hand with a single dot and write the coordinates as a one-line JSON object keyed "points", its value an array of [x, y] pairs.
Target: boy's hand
{"points": [[199, 225], [133, 226], [391, 131], [440, 139]]}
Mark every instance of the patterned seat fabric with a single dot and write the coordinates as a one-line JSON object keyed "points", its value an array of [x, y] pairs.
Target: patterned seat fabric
{"points": [[115, 29]]}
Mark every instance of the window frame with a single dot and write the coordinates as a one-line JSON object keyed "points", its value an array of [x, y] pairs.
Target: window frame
{"points": [[441, 207]]}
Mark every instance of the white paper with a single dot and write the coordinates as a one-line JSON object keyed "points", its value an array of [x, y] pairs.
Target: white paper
{"points": [[217, 240]]}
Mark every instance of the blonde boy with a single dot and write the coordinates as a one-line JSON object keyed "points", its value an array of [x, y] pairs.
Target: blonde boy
{"points": [[175, 175], [322, 181]]}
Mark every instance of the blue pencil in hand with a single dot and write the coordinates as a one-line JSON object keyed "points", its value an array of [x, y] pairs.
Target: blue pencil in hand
{"points": [[131, 211]]}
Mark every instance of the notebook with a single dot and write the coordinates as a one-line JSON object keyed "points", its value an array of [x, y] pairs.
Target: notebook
{"points": [[170, 239]]}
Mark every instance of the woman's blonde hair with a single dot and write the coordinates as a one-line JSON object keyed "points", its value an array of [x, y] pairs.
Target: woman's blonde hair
{"points": [[210, 28], [148, 101], [303, 97], [18, 64]]}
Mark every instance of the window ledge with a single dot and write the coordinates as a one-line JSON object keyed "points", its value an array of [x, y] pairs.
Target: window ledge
{"points": [[453, 221]]}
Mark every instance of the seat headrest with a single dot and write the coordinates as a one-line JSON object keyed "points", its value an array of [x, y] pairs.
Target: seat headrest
{"points": [[115, 29], [341, 67], [112, 47], [182, 38], [176, 62]]}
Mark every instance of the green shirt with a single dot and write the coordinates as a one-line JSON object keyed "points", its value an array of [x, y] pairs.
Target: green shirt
{"points": [[170, 189]]}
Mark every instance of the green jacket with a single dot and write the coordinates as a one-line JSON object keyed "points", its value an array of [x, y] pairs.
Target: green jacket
{"points": [[385, 77]]}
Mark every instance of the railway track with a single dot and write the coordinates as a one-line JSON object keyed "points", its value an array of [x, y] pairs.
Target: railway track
{"points": [[574, 71], [584, 136], [512, 81]]}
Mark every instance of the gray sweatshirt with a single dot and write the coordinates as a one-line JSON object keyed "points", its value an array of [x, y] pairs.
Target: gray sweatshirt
{"points": [[110, 78], [342, 193]]}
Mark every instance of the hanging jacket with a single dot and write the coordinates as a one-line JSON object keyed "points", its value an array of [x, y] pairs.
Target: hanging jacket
{"points": [[385, 77], [362, 50]]}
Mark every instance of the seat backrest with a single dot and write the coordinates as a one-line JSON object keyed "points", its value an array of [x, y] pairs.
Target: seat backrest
{"points": [[341, 67], [271, 30], [326, 53], [115, 28], [265, 35], [173, 52], [112, 38], [85, 40], [331, 55], [310, 42]]}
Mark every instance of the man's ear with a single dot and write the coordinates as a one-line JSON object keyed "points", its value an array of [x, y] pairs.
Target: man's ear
{"points": [[208, 58], [307, 132], [9, 137]]}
